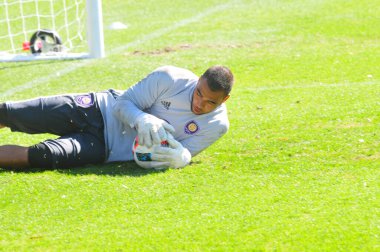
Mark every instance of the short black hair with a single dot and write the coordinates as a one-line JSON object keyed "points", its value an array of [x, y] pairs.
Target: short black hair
{"points": [[219, 78]]}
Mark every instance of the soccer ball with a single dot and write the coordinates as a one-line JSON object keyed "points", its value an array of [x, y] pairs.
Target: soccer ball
{"points": [[143, 156]]}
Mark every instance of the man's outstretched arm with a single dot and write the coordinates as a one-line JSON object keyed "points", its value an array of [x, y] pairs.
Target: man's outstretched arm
{"points": [[130, 108]]}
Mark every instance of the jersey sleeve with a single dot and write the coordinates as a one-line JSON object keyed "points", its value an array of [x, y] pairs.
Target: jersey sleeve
{"points": [[198, 143], [141, 96]]}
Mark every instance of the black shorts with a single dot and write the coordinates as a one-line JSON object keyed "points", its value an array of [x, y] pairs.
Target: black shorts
{"points": [[75, 118]]}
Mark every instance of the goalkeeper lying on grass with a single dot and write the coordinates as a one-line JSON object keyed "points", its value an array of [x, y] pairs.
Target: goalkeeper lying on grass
{"points": [[101, 127]]}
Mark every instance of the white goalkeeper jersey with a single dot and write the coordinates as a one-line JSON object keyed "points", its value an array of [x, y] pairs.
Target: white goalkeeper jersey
{"points": [[167, 94]]}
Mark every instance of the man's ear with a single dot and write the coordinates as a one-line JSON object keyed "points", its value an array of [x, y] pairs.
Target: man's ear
{"points": [[226, 98]]}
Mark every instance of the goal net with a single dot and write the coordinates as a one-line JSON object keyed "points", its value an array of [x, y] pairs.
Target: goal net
{"points": [[50, 29]]}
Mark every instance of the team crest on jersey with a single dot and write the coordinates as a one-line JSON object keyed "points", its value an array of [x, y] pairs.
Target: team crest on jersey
{"points": [[84, 101], [191, 127]]}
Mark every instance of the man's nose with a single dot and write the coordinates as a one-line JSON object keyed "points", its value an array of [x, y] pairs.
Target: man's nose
{"points": [[201, 104]]}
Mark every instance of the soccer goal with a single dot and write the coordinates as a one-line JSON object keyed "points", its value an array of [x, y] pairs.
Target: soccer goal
{"points": [[50, 29]]}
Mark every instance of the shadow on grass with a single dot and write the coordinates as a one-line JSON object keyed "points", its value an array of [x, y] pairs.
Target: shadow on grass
{"points": [[113, 169]]}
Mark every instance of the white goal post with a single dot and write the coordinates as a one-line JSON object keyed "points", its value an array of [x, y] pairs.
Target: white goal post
{"points": [[50, 29]]}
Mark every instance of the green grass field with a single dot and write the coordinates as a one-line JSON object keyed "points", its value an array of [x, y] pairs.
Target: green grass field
{"points": [[298, 170]]}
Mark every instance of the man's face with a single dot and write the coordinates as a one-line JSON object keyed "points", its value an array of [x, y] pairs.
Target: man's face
{"points": [[205, 100]]}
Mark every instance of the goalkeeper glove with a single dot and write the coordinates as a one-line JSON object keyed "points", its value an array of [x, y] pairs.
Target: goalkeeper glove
{"points": [[152, 130], [176, 155]]}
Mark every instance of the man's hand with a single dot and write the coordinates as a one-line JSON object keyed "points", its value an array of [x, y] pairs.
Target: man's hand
{"points": [[152, 130], [175, 154]]}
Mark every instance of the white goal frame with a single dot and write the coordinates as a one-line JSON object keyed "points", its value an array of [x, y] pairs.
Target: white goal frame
{"points": [[95, 40]]}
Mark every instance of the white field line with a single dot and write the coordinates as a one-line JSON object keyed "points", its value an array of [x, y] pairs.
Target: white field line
{"points": [[156, 34]]}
